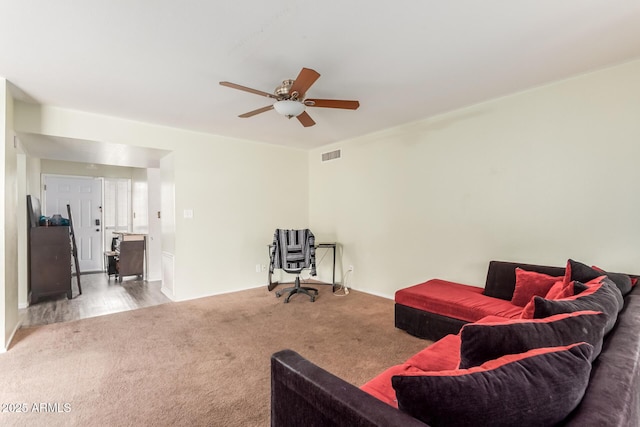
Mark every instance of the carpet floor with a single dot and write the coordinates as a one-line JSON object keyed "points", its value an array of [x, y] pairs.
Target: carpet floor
{"points": [[203, 362]]}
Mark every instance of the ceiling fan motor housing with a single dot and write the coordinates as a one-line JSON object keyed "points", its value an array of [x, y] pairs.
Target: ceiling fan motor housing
{"points": [[282, 91]]}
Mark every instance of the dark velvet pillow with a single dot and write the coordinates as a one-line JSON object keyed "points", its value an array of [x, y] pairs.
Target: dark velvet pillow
{"points": [[624, 282], [482, 342], [578, 271], [605, 297], [537, 388]]}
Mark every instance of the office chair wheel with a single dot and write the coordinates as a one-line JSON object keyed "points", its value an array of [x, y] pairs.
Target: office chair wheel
{"points": [[313, 299], [278, 294]]}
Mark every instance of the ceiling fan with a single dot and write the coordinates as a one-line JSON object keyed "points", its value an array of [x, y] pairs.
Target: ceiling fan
{"points": [[290, 98]]}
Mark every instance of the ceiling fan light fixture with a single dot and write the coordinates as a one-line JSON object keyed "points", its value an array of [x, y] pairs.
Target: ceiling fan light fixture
{"points": [[289, 108], [290, 98]]}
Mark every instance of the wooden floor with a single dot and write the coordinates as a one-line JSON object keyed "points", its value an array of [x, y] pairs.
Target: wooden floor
{"points": [[100, 295]]}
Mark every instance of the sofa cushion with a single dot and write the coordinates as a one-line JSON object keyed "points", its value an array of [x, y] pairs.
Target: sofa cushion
{"points": [[485, 341], [380, 387], [578, 271], [539, 387], [455, 300], [605, 297], [530, 284], [444, 354]]}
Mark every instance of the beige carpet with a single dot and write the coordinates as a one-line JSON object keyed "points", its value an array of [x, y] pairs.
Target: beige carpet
{"points": [[203, 362]]}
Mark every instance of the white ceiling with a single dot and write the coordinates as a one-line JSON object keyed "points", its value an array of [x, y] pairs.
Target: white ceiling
{"points": [[160, 61]]}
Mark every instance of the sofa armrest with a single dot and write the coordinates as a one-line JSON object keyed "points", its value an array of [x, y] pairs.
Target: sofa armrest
{"points": [[613, 395], [303, 394]]}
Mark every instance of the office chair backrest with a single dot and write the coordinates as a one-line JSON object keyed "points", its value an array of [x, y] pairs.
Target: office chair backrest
{"points": [[293, 250]]}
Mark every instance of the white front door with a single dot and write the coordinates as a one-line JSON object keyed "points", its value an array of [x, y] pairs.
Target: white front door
{"points": [[84, 195]]}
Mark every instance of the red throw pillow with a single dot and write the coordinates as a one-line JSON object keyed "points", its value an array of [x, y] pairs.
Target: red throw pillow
{"points": [[560, 290], [567, 293], [530, 284]]}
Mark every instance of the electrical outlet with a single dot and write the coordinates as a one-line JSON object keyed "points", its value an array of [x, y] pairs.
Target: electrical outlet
{"points": [[258, 268], [264, 267], [351, 268]]}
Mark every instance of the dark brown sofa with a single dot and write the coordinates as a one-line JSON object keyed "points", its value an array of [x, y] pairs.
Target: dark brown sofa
{"points": [[304, 394]]}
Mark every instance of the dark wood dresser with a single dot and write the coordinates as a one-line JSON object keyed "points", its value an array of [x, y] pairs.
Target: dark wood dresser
{"points": [[49, 262]]}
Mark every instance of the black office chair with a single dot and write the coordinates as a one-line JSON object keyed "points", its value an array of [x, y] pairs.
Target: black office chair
{"points": [[294, 251]]}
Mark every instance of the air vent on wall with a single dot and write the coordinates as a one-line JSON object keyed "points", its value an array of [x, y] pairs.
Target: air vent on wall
{"points": [[330, 155]]}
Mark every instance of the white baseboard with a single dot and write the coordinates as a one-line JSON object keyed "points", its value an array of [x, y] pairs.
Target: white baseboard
{"points": [[213, 294], [378, 294]]}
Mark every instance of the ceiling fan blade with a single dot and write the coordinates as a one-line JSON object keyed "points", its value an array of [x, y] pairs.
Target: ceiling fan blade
{"points": [[254, 112], [248, 89], [303, 82], [305, 119], [332, 103]]}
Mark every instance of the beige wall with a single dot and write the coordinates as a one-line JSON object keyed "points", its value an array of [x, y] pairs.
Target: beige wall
{"points": [[139, 201], [145, 197], [8, 216], [28, 184], [538, 176], [154, 224], [232, 186], [168, 224], [57, 167]]}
